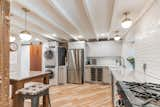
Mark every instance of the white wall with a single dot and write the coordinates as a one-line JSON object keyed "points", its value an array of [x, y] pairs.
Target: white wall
{"points": [[25, 58], [128, 50], [15, 58], [22, 55], [147, 43]]}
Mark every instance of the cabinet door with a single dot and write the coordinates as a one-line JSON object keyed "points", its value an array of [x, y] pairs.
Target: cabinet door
{"points": [[93, 74], [99, 74]]}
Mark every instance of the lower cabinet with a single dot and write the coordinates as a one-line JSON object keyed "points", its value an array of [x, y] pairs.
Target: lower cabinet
{"points": [[97, 75], [62, 75]]}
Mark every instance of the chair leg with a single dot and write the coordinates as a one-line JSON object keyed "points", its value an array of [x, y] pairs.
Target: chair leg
{"points": [[35, 101], [49, 101], [20, 99], [48, 98]]}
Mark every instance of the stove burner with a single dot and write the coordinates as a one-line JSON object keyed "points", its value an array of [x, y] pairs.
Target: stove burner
{"points": [[148, 92]]}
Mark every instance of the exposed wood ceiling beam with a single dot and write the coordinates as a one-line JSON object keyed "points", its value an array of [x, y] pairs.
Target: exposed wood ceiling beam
{"points": [[88, 15], [112, 13], [31, 20], [80, 31], [55, 4], [58, 8], [35, 10], [100, 16]]}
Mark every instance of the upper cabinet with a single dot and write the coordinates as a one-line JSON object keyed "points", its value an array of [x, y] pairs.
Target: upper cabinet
{"points": [[103, 49]]}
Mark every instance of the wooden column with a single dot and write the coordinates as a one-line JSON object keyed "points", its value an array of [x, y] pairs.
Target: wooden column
{"points": [[4, 53]]}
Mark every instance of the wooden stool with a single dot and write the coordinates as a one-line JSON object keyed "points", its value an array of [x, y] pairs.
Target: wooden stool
{"points": [[34, 92]]}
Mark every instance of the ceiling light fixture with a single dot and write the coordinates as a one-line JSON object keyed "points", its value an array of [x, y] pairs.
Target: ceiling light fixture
{"points": [[117, 38], [74, 37], [126, 22], [54, 35], [37, 39], [25, 35], [80, 36], [103, 34], [12, 38]]}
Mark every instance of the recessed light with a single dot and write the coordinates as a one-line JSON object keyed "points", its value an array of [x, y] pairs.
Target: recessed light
{"points": [[37, 39], [54, 35], [74, 37], [80, 36], [103, 34]]}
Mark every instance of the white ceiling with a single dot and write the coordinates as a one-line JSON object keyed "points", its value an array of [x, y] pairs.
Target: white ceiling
{"points": [[69, 19]]}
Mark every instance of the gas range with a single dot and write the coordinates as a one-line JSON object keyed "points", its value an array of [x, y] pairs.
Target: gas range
{"points": [[140, 94]]}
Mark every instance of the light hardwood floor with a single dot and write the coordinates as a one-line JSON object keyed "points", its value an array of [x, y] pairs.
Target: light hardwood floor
{"points": [[86, 95]]}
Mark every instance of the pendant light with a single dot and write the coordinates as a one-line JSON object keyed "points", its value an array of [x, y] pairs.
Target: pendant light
{"points": [[117, 38], [126, 22], [25, 35]]}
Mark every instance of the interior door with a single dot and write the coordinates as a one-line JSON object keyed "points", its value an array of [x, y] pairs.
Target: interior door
{"points": [[36, 57]]}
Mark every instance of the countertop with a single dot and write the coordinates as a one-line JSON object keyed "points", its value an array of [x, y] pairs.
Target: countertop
{"points": [[17, 76], [124, 74], [96, 65]]}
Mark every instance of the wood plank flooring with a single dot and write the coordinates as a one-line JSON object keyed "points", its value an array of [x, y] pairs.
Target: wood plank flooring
{"points": [[73, 95]]}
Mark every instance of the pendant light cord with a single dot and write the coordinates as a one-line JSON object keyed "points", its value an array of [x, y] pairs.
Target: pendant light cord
{"points": [[26, 20], [126, 14], [25, 10]]}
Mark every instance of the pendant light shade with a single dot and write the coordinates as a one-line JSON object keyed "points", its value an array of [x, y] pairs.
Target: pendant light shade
{"points": [[25, 35], [127, 22], [117, 38]]}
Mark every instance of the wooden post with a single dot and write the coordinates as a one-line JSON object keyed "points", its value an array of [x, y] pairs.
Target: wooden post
{"points": [[45, 98], [4, 53]]}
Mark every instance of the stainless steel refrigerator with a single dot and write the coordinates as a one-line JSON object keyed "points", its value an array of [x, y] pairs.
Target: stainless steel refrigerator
{"points": [[75, 66]]}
